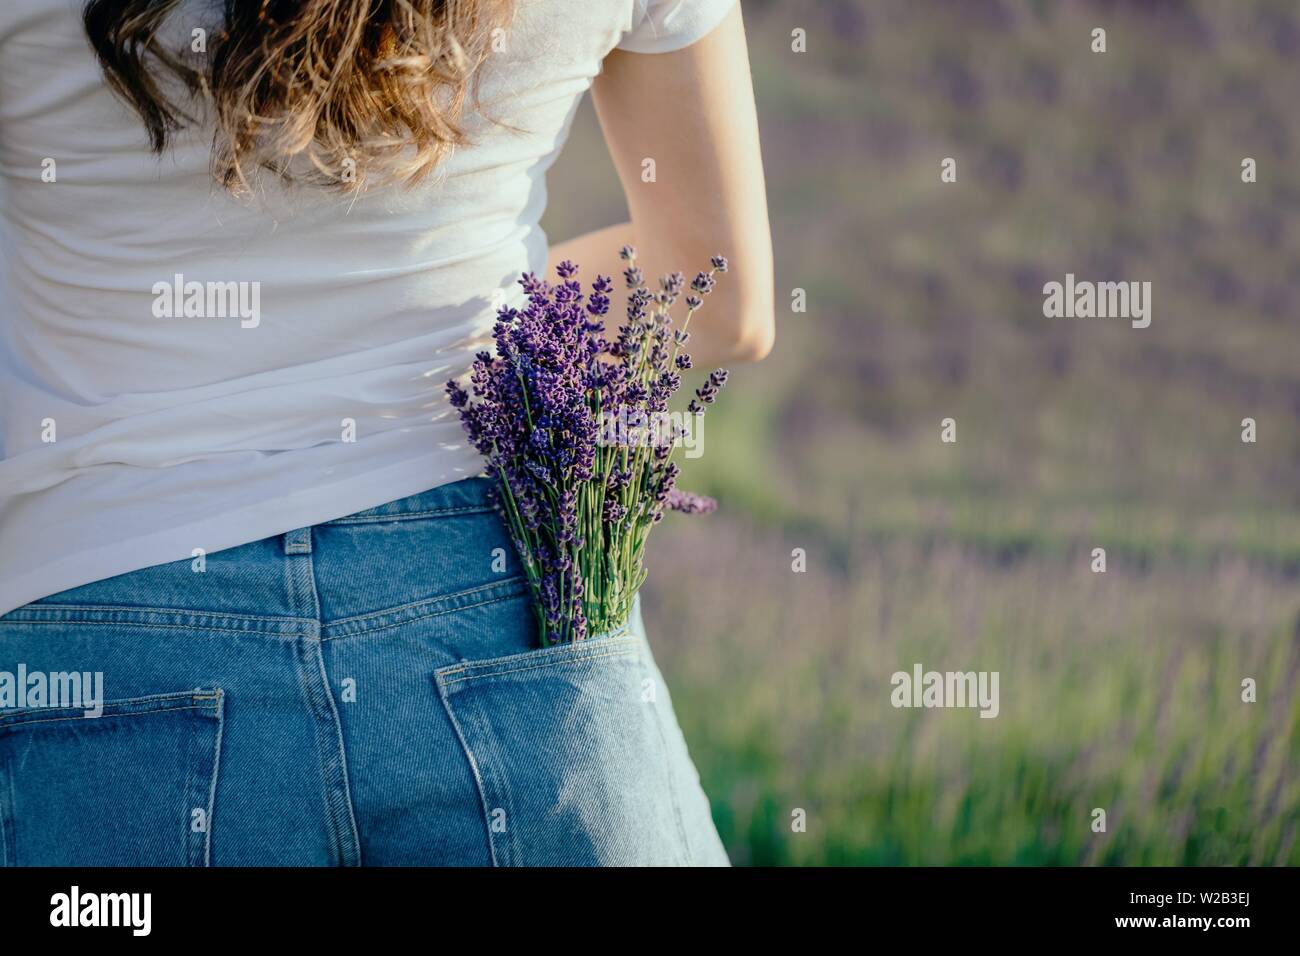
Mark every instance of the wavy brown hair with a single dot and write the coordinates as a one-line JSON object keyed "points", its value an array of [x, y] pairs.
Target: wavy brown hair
{"points": [[382, 83]]}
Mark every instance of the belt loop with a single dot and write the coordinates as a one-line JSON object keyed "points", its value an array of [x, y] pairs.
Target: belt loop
{"points": [[297, 541]]}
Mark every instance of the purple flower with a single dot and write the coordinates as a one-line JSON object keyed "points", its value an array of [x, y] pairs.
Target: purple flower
{"points": [[576, 505], [690, 503], [614, 511], [708, 392], [702, 283]]}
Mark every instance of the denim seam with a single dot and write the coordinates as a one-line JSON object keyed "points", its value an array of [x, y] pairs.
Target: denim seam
{"points": [[123, 705], [314, 684], [609, 652], [333, 766], [446, 604], [216, 771], [191, 755], [495, 778], [398, 608], [411, 515], [286, 627], [135, 617], [8, 855], [674, 793], [300, 582], [64, 720], [474, 769], [287, 635]]}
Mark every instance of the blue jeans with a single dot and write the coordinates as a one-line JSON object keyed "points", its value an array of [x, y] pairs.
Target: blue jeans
{"points": [[367, 690]]}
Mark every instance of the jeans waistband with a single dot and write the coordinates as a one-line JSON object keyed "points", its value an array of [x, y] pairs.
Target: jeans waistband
{"points": [[374, 569], [466, 496]]}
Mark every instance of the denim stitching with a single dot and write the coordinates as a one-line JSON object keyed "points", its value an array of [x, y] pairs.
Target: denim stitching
{"points": [[421, 617], [64, 720], [570, 651], [622, 651], [474, 769], [8, 855], [673, 790], [60, 609], [398, 608], [212, 784], [284, 627], [191, 749], [439, 606], [314, 685], [125, 705], [129, 704], [412, 515], [511, 853], [137, 617], [336, 792], [234, 632]]}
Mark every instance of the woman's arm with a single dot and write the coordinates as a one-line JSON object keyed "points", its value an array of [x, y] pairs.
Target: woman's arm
{"points": [[692, 112]]}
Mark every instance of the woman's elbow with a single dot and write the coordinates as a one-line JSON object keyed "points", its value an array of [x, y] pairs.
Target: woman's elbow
{"points": [[752, 306], [755, 337], [747, 336], [739, 315], [753, 311]]}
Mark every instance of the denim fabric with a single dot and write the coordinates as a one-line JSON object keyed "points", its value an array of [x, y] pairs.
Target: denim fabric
{"points": [[364, 691]]}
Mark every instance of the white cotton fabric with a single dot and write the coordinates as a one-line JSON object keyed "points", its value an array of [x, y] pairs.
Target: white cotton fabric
{"points": [[130, 438]]}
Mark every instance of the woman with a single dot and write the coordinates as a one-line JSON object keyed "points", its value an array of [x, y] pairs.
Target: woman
{"points": [[256, 606]]}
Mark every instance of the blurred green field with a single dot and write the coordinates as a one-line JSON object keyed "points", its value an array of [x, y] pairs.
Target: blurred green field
{"points": [[1118, 690]]}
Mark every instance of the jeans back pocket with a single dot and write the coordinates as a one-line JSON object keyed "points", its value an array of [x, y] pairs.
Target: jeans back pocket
{"points": [[131, 786], [570, 756]]}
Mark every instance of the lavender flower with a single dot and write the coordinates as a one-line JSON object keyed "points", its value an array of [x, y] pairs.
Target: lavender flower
{"points": [[689, 503], [578, 508], [708, 392]]}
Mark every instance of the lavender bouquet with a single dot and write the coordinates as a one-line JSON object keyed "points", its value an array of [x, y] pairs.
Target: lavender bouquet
{"points": [[577, 434]]}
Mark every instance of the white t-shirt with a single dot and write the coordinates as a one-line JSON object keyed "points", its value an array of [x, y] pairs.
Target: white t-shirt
{"points": [[311, 386]]}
